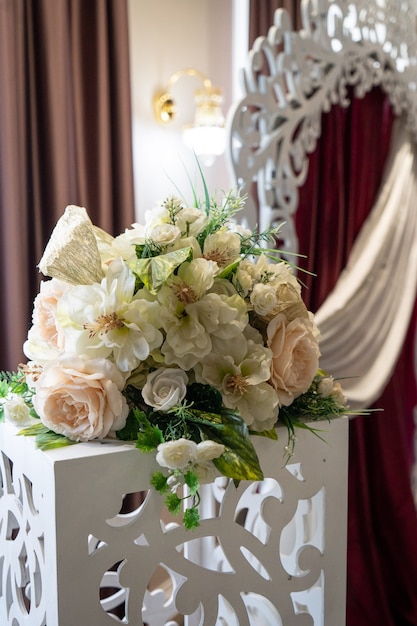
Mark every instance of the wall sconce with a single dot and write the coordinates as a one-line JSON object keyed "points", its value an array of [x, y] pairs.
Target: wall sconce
{"points": [[207, 135]]}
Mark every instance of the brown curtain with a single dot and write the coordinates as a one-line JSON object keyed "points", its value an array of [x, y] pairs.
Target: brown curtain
{"points": [[65, 137], [261, 14]]}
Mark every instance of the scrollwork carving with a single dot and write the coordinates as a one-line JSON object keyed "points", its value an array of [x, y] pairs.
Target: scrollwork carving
{"points": [[292, 78]]}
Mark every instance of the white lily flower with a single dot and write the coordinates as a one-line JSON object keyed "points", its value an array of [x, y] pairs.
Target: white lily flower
{"points": [[107, 320]]}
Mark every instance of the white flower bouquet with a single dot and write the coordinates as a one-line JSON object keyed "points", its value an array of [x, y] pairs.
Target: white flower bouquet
{"points": [[186, 334]]}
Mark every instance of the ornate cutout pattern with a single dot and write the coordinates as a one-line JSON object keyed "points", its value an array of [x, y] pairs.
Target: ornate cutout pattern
{"points": [[292, 78], [22, 557], [265, 553]]}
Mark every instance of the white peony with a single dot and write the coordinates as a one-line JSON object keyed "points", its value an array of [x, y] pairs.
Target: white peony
{"points": [[240, 370], [186, 341], [223, 247]]}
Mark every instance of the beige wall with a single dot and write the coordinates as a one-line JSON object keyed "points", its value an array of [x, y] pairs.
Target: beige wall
{"points": [[165, 36]]}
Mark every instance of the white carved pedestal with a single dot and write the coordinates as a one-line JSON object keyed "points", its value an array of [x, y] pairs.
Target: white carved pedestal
{"points": [[266, 554]]}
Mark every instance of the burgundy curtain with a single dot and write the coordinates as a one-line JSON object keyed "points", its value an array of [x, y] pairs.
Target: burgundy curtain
{"points": [[65, 137], [344, 176]]}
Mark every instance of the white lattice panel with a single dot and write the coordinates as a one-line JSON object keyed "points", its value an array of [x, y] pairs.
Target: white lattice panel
{"points": [[266, 554]]}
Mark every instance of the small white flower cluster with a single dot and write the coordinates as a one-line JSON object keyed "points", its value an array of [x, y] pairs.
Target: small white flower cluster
{"points": [[183, 454]]}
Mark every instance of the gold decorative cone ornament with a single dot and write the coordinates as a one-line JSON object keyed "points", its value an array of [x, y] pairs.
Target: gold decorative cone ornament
{"points": [[72, 253]]}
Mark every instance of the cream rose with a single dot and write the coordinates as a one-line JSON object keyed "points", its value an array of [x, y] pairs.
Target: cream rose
{"points": [[81, 398], [45, 338], [164, 388], [176, 454], [295, 356]]}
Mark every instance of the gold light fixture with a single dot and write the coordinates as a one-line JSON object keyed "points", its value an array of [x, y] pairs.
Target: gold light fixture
{"points": [[206, 136]]}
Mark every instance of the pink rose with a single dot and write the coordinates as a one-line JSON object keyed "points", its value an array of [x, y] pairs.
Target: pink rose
{"points": [[81, 398], [45, 338], [295, 357]]}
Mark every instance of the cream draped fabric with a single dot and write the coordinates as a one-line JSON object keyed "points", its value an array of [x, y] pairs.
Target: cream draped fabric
{"points": [[364, 320]]}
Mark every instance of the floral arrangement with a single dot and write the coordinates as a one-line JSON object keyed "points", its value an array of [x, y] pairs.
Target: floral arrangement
{"points": [[186, 334]]}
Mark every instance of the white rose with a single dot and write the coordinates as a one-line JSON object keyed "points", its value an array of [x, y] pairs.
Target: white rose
{"points": [[176, 454], [325, 386], [241, 230], [338, 394], [165, 388], [263, 299], [164, 234], [191, 221], [16, 411], [81, 398], [206, 472], [244, 277], [209, 450]]}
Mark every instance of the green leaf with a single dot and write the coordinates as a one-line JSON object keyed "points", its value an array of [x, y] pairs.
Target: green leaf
{"points": [[133, 424], [269, 434], [206, 193], [229, 269], [173, 503], [159, 482], [51, 441], [192, 483], [4, 388], [153, 272], [33, 430], [239, 460], [205, 397], [46, 439], [191, 518], [149, 439]]}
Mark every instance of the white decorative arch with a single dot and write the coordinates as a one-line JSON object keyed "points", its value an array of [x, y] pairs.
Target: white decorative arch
{"points": [[292, 78]]}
